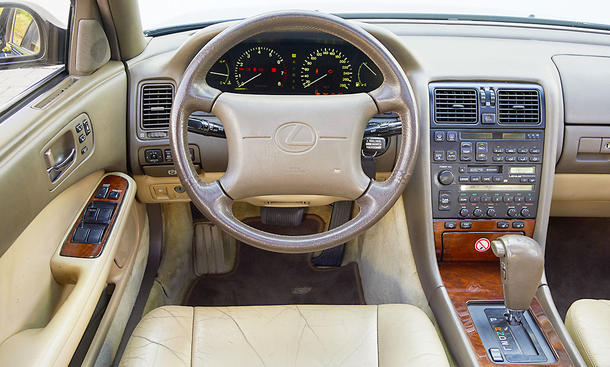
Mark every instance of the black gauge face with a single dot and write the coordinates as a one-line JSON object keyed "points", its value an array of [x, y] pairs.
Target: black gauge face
{"points": [[219, 74], [326, 71], [260, 69], [368, 75]]}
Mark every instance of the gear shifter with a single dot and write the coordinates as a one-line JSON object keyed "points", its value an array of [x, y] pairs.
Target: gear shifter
{"points": [[521, 264]]}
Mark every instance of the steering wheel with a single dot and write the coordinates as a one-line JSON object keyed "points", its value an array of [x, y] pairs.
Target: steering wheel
{"points": [[294, 144]]}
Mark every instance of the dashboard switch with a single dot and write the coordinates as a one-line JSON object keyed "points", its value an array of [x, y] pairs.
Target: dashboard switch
{"points": [[445, 177], [153, 156], [80, 235], [101, 192]]}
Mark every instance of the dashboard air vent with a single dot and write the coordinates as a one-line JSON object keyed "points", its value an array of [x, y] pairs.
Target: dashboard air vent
{"points": [[458, 106], [156, 105], [518, 106]]}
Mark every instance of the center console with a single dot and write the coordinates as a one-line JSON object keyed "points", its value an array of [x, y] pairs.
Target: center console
{"points": [[486, 154]]}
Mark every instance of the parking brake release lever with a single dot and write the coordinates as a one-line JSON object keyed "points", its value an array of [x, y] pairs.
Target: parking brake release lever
{"points": [[521, 267]]}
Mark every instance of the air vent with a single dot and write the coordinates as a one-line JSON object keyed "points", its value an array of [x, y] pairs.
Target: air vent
{"points": [[156, 105], [458, 106], [518, 106]]}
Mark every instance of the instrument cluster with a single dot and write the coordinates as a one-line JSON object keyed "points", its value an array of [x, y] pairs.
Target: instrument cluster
{"points": [[294, 63]]}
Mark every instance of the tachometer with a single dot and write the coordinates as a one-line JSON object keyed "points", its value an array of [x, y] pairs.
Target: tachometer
{"points": [[326, 71], [260, 68]]}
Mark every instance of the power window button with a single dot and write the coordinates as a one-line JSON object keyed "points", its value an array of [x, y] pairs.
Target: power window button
{"points": [[80, 235]]}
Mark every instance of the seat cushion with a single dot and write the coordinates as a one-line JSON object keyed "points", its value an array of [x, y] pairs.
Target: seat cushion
{"points": [[305, 335], [588, 322]]}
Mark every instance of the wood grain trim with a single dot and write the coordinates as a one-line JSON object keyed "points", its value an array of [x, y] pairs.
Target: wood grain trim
{"points": [[464, 251], [480, 281], [88, 250]]}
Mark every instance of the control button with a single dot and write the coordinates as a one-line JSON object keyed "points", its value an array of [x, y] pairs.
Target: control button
{"points": [[462, 169], [475, 178], [481, 157], [474, 198], [511, 212], [82, 138], [509, 159], [498, 149], [477, 212], [445, 177], [90, 215], [497, 158], [451, 136], [439, 155], [534, 159], [530, 199], [522, 150], [503, 225], [87, 127], [153, 155], [450, 225], [532, 180], [463, 199], [84, 150], [168, 155], [464, 213], [114, 195], [464, 178], [96, 233], [102, 192], [518, 225], [486, 179], [535, 150], [104, 215], [507, 199], [523, 180], [485, 199], [496, 355], [518, 199], [466, 225], [489, 118], [491, 212], [80, 235], [439, 136], [444, 201], [522, 159], [452, 155], [525, 212], [466, 147], [482, 147], [510, 150], [497, 179], [78, 128], [497, 199], [466, 158]]}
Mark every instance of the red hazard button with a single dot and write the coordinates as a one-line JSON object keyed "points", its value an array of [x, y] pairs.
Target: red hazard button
{"points": [[482, 244]]}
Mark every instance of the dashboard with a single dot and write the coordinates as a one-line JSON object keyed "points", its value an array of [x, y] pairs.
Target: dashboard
{"points": [[294, 63]]}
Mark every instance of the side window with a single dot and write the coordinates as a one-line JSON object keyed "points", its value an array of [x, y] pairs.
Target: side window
{"points": [[33, 43]]}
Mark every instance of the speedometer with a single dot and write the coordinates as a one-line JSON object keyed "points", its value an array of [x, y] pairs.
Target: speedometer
{"points": [[326, 71], [260, 69]]}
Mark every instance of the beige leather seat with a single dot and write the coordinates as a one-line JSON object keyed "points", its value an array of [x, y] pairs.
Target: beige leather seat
{"points": [[588, 322], [386, 335]]}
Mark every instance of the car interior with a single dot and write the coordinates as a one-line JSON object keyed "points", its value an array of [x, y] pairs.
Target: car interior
{"points": [[302, 188]]}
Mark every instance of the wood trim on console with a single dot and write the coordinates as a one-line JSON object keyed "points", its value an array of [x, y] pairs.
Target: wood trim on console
{"points": [[480, 281], [88, 250]]}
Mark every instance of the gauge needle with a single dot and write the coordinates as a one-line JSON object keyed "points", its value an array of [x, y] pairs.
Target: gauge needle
{"points": [[317, 80], [249, 80], [215, 73], [368, 67]]}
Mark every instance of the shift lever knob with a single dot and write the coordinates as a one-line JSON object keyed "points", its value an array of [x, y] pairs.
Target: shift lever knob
{"points": [[521, 266]]}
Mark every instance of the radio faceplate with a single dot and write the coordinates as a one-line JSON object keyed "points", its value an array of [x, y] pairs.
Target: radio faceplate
{"points": [[485, 174]]}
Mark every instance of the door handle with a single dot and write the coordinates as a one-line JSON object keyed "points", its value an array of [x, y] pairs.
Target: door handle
{"points": [[56, 170]]}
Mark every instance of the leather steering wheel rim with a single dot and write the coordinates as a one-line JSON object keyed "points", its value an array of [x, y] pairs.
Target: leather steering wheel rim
{"points": [[394, 95]]}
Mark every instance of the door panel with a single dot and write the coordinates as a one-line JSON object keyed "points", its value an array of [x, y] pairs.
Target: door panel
{"points": [[25, 137]]}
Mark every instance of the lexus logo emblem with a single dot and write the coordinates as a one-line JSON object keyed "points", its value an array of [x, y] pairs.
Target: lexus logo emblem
{"points": [[295, 137]]}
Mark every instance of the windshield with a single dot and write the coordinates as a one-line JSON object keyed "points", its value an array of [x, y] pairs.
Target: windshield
{"points": [[159, 14]]}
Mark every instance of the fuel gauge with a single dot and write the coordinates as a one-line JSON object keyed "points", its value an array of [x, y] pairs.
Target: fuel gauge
{"points": [[218, 76], [369, 76]]}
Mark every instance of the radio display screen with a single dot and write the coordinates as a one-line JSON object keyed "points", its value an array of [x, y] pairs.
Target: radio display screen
{"points": [[515, 136], [471, 135], [496, 187]]}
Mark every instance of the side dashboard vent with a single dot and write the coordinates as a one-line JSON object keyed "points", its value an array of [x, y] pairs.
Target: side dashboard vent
{"points": [[458, 106], [518, 106], [156, 105]]}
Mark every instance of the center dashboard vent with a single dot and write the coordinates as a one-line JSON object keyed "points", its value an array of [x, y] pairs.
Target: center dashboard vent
{"points": [[156, 105], [455, 105], [518, 106]]}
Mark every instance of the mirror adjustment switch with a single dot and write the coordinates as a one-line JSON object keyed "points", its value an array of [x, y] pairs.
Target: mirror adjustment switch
{"points": [[80, 235], [102, 192], [114, 195]]}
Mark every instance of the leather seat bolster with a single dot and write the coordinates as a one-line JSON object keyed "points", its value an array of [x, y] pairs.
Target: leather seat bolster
{"points": [[588, 322]]}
